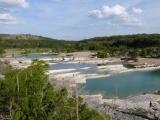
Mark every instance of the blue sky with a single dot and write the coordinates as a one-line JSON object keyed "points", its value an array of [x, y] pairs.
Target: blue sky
{"points": [[79, 19]]}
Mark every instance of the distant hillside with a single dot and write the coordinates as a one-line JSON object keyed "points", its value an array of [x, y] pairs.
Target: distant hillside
{"points": [[139, 41], [21, 37], [32, 41], [131, 41]]}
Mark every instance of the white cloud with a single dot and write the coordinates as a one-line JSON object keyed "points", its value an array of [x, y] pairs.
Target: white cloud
{"points": [[18, 3], [7, 9], [137, 10], [7, 18], [107, 11], [116, 14]]}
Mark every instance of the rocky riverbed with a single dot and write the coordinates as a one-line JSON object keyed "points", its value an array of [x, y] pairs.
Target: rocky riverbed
{"points": [[141, 107]]}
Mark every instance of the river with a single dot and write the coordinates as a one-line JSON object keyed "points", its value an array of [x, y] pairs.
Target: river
{"points": [[124, 85]]}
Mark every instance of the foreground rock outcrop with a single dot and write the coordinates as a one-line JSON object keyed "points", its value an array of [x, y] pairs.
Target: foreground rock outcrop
{"points": [[142, 107]]}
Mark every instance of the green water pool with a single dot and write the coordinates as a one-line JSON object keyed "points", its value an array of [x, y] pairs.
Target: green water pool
{"points": [[124, 85]]}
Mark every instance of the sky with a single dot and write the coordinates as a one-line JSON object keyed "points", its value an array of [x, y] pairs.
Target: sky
{"points": [[79, 19]]}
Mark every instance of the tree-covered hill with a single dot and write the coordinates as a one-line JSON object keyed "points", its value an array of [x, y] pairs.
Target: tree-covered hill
{"points": [[144, 45], [31, 41], [114, 45], [132, 41]]}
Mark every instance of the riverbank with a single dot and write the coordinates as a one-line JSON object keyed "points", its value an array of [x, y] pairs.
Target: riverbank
{"points": [[117, 69], [134, 102], [107, 70], [140, 107], [101, 67]]}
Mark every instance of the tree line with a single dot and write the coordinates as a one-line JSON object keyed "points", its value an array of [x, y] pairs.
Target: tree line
{"points": [[139, 44]]}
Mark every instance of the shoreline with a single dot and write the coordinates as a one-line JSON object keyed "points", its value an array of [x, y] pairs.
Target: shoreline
{"points": [[137, 107], [61, 72]]}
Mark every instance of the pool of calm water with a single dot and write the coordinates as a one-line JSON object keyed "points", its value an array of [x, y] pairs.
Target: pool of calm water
{"points": [[124, 85]]}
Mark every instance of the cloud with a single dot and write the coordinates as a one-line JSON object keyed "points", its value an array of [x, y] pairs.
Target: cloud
{"points": [[137, 10], [18, 3], [116, 14], [7, 18], [107, 11], [7, 9]]}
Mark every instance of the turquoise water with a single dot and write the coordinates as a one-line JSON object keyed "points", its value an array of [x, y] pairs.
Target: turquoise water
{"points": [[124, 85]]}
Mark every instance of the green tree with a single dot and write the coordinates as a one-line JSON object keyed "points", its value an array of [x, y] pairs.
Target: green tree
{"points": [[102, 54], [2, 52], [26, 94]]}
